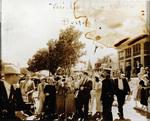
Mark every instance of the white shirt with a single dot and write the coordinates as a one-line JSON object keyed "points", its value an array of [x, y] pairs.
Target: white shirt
{"points": [[7, 87], [98, 85], [120, 84], [76, 84], [26, 85]]}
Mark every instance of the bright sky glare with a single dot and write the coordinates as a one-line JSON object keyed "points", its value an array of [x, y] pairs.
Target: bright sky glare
{"points": [[28, 25]]}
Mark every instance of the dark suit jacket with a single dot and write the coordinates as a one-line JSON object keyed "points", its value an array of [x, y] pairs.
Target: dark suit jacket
{"points": [[7, 107], [128, 68], [126, 89], [85, 93], [108, 90]]}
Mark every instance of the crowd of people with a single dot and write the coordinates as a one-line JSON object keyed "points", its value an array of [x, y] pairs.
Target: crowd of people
{"points": [[79, 96]]}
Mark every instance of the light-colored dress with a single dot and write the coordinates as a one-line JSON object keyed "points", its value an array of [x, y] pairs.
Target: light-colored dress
{"points": [[98, 88], [92, 101], [41, 97], [70, 101], [26, 87], [137, 90]]}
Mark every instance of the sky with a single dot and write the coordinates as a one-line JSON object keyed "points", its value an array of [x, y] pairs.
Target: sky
{"points": [[27, 25]]}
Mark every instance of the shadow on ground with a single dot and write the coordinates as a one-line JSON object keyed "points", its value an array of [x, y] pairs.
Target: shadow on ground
{"points": [[143, 113], [122, 120]]}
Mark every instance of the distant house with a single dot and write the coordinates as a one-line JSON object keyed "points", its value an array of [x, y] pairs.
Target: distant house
{"points": [[112, 63], [97, 67]]}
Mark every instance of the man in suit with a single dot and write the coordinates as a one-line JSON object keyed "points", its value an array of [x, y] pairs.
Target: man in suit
{"points": [[11, 102], [122, 89], [84, 96], [138, 67], [128, 71], [108, 90], [27, 88]]}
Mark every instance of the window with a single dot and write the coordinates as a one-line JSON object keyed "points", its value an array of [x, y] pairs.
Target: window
{"points": [[121, 54], [128, 51], [147, 46], [136, 48]]}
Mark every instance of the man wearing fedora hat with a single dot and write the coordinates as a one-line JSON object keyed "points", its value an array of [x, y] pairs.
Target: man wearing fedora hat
{"points": [[11, 102], [108, 90], [122, 89]]}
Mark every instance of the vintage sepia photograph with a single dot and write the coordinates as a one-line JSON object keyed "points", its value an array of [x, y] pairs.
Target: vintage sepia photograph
{"points": [[75, 60]]}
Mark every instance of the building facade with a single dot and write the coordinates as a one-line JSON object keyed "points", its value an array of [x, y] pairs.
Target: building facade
{"points": [[137, 50]]}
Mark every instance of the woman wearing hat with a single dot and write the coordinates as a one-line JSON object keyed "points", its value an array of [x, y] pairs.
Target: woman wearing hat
{"points": [[41, 95], [144, 91], [60, 97], [98, 87], [147, 70], [137, 88], [50, 100], [70, 107]]}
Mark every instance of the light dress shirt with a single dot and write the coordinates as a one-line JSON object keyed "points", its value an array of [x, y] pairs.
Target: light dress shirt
{"points": [[7, 87], [120, 84], [26, 85]]}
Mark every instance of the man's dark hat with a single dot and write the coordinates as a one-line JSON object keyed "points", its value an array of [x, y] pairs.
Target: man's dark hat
{"points": [[85, 73]]}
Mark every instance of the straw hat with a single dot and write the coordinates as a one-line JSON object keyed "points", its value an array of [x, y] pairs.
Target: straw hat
{"points": [[11, 69]]}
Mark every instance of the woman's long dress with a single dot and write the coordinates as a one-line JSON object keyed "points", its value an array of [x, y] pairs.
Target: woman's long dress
{"points": [[92, 106], [144, 94], [41, 97], [98, 95], [70, 106], [137, 92], [60, 99], [50, 100], [137, 89]]}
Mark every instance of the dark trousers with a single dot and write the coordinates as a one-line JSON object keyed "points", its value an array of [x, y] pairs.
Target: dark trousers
{"points": [[76, 103], [121, 99], [107, 114], [137, 70], [83, 103], [128, 75]]}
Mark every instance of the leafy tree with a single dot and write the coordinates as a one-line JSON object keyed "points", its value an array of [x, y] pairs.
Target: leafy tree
{"points": [[69, 48], [104, 60], [52, 56], [38, 61], [64, 52]]}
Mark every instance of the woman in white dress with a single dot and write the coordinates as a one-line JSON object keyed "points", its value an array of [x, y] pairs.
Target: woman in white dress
{"points": [[92, 107], [98, 87], [41, 95], [137, 89]]}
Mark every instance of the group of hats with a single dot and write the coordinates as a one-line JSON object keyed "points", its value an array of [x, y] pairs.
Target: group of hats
{"points": [[12, 69]]}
